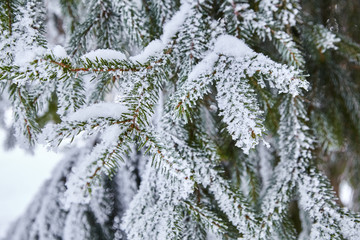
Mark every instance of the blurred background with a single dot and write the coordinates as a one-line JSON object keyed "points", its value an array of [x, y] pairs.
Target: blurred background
{"points": [[17, 192]]}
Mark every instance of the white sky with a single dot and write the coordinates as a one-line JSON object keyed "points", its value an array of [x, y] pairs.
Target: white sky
{"points": [[21, 176]]}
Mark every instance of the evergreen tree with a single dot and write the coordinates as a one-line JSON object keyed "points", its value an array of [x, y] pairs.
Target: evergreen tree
{"points": [[211, 119]]}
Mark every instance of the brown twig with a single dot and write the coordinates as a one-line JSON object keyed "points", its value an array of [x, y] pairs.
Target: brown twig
{"points": [[93, 70], [68, 67]]}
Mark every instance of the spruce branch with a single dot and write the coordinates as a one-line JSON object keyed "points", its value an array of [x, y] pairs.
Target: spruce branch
{"points": [[288, 49], [209, 217], [83, 69], [177, 126]]}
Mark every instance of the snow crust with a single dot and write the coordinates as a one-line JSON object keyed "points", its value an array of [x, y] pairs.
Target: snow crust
{"points": [[172, 26], [170, 29], [232, 47], [151, 49], [114, 110], [205, 66], [59, 51], [106, 54]]}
